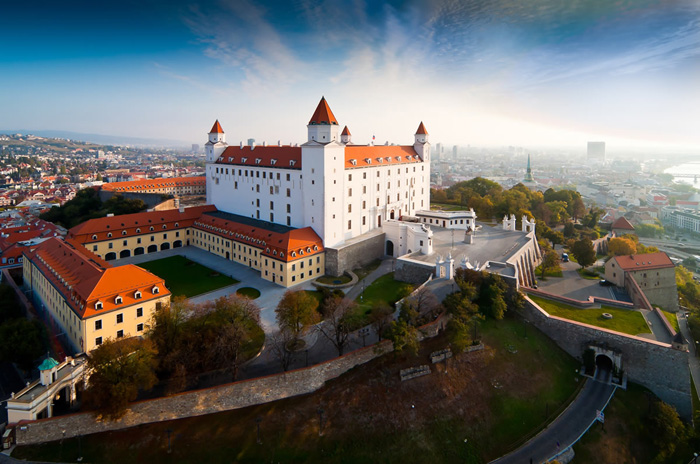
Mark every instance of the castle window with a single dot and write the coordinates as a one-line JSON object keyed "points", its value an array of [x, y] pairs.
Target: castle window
{"points": [[98, 324], [353, 162], [155, 290], [151, 229], [349, 225], [350, 177], [117, 300], [109, 235], [138, 231], [292, 163], [257, 161], [137, 295], [243, 160], [368, 161], [273, 162], [94, 237]]}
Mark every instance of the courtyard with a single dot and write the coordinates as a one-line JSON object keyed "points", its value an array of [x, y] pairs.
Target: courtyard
{"points": [[185, 277]]}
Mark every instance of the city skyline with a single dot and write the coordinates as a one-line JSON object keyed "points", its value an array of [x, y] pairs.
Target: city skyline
{"points": [[480, 73]]}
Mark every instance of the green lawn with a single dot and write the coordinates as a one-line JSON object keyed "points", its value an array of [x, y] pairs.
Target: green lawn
{"points": [[250, 292], [333, 280], [384, 289], [672, 319], [624, 320], [185, 277], [550, 272], [588, 274]]}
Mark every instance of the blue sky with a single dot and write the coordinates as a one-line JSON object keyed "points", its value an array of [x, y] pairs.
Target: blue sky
{"points": [[480, 72]]}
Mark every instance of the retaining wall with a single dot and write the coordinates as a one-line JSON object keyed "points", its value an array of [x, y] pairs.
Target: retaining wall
{"points": [[354, 255], [655, 365], [591, 302]]}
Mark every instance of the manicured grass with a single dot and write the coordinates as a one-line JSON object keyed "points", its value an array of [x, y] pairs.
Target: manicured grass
{"points": [[550, 272], [185, 277], [672, 319], [385, 289], [250, 292], [624, 320], [333, 280], [588, 274], [486, 403]]}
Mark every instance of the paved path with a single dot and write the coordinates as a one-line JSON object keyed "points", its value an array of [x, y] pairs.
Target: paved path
{"points": [[385, 267], [566, 429], [693, 359]]}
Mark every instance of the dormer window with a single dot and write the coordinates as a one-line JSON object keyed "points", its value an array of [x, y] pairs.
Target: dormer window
{"points": [[292, 162], [294, 254], [353, 162], [315, 247], [273, 161], [381, 160], [281, 254], [109, 235], [308, 250], [230, 158], [138, 231], [94, 237], [165, 226], [98, 305], [368, 161], [123, 232], [243, 160], [137, 295], [177, 224], [151, 229], [117, 300], [388, 158], [258, 160], [155, 290], [398, 158]]}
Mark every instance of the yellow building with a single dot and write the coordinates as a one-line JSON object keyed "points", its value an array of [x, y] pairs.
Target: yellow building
{"points": [[283, 255], [88, 298], [166, 186]]}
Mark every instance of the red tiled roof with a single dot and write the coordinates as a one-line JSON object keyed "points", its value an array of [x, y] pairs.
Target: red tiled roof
{"points": [[345, 131], [421, 129], [143, 184], [83, 280], [285, 246], [286, 157], [622, 223], [647, 261], [323, 114], [384, 155], [136, 224], [216, 128]]}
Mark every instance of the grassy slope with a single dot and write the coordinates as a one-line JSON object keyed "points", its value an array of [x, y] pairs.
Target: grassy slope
{"points": [[459, 415], [624, 320], [384, 289], [185, 277]]}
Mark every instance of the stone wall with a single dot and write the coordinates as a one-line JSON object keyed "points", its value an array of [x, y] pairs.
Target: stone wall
{"points": [[212, 400], [655, 365], [355, 254], [414, 272]]}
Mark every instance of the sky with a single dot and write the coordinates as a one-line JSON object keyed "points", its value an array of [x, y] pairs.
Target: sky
{"points": [[476, 72]]}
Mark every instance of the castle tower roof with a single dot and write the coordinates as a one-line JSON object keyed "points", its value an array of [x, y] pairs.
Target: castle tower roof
{"points": [[323, 114], [346, 131], [421, 129], [216, 128]]}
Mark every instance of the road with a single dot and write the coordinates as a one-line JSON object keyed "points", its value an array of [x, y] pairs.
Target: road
{"points": [[567, 428]]}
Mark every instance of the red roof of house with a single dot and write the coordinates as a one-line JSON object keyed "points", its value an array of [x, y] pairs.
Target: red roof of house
{"points": [[383, 155], [421, 129], [622, 223], [145, 184], [216, 128], [323, 114], [647, 261], [262, 156], [345, 131], [136, 224], [82, 279]]}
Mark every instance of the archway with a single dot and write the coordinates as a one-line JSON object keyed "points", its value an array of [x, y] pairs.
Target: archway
{"points": [[603, 368], [138, 251], [228, 255], [177, 243], [389, 248], [152, 248], [124, 253], [164, 246], [391, 215], [110, 256]]}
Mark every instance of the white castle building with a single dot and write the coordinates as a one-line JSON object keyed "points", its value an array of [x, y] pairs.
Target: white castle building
{"points": [[342, 190]]}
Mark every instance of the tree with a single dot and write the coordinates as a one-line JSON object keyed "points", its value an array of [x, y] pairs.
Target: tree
{"points": [[425, 303], [296, 310], [666, 427], [22, 342], [404, 336], [119, 370], [621, 246], [9, 308], [549, 261], [569, 230], [339, 322], [465, 316], [583, 252], [278, 343], [380, 318]]}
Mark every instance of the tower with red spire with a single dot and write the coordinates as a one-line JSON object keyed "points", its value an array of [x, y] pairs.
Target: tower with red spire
{"points": [[323, 127]]}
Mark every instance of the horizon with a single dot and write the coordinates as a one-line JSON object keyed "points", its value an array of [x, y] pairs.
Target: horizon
{"points": [[476, 73]]}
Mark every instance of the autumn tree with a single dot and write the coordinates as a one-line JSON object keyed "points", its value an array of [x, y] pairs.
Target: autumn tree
{"points": [[425, 303], [338, 322], [465, 315], [296, 310], [621, 246], [550, 261], [583, 252], [404, 337], [380, 318], [119, 370], [278, 344]]}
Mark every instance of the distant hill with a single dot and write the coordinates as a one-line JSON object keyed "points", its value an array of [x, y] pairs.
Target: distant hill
{"points": [[101, 139]]}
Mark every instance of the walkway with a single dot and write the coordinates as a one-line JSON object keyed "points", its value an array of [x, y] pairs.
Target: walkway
{"points": [[566, 429], [385, 267], [693, 360]]}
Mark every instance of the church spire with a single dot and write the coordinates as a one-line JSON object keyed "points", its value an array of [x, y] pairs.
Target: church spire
{"points": [[528, 175]]}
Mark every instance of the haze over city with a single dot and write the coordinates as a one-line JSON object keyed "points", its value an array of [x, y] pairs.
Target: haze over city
{"points": [[478, 72]]}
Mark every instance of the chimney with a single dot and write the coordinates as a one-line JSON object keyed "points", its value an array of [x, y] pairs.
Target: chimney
{"points": [[279, 143]]}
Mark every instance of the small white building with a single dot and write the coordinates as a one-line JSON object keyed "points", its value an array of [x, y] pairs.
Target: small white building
{"points": [[463, 220]]}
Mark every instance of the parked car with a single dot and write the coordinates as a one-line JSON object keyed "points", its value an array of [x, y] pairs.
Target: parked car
{"points": [[565, 257], [605, 283]]}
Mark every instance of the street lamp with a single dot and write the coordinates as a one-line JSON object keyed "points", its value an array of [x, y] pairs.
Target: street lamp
{"points": [[169, 431], [257, 421], [695, 458], [320, 421]]}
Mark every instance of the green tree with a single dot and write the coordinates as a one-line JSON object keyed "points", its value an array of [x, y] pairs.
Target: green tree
{"points": [[296, 310], [9, 307], [22, 342], [583, 252], [119, 370], [666, 428], [404, 337], [550, 261]]}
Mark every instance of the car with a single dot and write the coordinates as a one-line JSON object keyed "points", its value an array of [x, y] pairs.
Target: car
{"points": [[605, 283], [565, 257]]}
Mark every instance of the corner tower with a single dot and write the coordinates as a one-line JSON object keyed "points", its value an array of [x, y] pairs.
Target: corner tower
{"points": [[421, 144], [216, 144], [323, 127]]}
